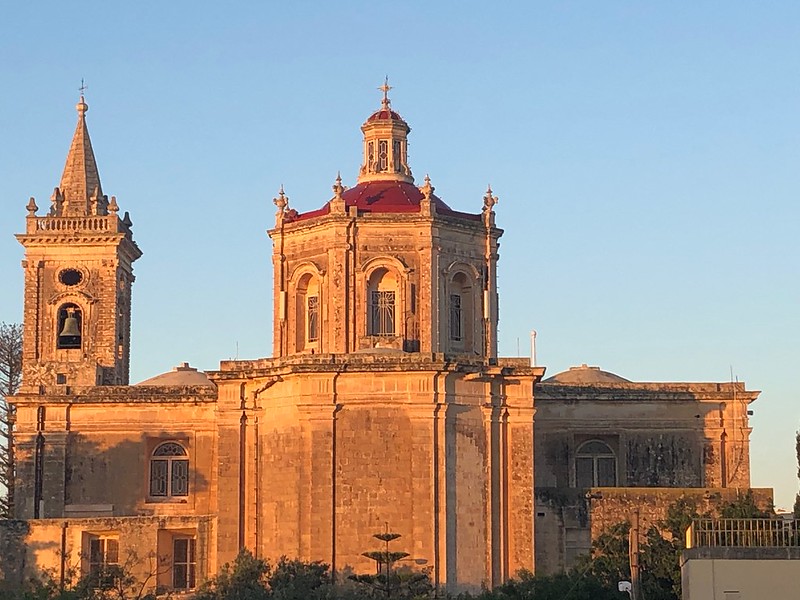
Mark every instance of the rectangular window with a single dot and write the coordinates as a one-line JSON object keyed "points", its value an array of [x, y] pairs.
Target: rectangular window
{"points": [[313, 318], [382, 308], [584, 472], [103, 552], [158, 477], [455, 317], [180, 477], [184, 563], [606, 471], [396, 155]]}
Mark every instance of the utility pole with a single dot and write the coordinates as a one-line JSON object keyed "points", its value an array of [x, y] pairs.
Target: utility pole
{"points": [[633, 555]]}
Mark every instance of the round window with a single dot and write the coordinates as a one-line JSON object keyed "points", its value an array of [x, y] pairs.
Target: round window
{"points": [[70, 277]]}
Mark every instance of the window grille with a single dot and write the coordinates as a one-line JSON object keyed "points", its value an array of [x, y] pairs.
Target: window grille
{"points": [[313, 318], [455, 317], [169, 471], [382, 309]]}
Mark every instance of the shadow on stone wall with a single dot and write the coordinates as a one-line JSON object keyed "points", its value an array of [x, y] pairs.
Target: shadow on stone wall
{"points": [[90, 490]]}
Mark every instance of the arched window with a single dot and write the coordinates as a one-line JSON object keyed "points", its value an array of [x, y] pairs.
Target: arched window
{"points": [[70, 326], [169, 471], [382, 297], [460, 315], [595, 465], [383, 155], [307, 312]]}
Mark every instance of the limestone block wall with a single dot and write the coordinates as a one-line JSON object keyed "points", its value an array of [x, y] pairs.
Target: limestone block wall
{"points": [[663, 435], [568, 519], [93, 451], [333, 450], [58, 548]]}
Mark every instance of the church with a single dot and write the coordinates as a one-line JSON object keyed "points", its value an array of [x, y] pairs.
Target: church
{"points": [[384, 403]]}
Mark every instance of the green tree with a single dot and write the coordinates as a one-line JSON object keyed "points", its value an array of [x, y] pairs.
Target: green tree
{"points": [[797, 498], [298, 580], [245, 579], [744, 507], [10, 377], [565, 586], [390, 581]]}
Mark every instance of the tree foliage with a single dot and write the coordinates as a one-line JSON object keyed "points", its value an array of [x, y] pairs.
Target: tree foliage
{"points": [[10, 377], [797, 498]]}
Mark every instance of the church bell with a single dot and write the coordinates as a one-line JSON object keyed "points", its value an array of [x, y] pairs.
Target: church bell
{"points": [[70, 328]]}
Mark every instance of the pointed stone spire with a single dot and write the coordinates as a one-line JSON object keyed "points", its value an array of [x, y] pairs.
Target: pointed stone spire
{"points": [[80, 182]]}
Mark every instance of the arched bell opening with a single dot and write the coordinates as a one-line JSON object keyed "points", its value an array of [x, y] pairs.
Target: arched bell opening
{"points": [[70, 327]]}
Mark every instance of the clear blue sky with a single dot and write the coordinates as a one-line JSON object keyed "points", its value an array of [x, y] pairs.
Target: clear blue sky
{"points": [[646, 156]]}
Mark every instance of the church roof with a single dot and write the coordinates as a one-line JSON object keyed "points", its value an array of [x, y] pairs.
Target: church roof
{"points": [[585, 375], [183, 374], [384, 114], [388, 196], [80, 179]]}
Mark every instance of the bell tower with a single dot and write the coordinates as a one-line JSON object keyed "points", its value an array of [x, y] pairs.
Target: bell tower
{"points": [[78, 278]]}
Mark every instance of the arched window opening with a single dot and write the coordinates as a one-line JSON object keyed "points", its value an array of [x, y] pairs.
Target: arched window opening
{"points": [[460, 313], [382, 292], [70, 326], [595, 465], [169, 471], [396, 155], [383, 155], [307, 311]]}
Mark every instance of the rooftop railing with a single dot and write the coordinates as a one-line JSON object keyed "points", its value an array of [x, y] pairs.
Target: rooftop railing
{"points": [[743, 533]]}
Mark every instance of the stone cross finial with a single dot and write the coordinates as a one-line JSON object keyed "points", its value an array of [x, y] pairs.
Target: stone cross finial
{"points": [[385, 89], [32, 208]]}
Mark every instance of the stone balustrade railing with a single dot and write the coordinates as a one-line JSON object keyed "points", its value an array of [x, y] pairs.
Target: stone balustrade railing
{"points": [[99, 223]]}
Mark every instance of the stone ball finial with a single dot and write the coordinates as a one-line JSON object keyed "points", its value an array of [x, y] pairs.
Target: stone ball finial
{"points": [[81, 106]]}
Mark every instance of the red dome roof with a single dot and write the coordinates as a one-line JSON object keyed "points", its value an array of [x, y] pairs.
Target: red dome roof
{"points": [[384, 114], [386, 197]]}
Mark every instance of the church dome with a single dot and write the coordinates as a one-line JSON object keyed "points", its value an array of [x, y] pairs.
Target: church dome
{"points": [[388, 196], [183, 374], [384, 114], [585, 375]]}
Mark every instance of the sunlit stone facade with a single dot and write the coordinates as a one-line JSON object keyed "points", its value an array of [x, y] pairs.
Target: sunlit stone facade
{"points": [[384, 402]]}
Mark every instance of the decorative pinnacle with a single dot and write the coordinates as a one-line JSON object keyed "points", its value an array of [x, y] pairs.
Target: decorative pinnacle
{"points": [[385, 89], [489, 200], [427, 189], [32, 208], [338, 188], [281, 201]]}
